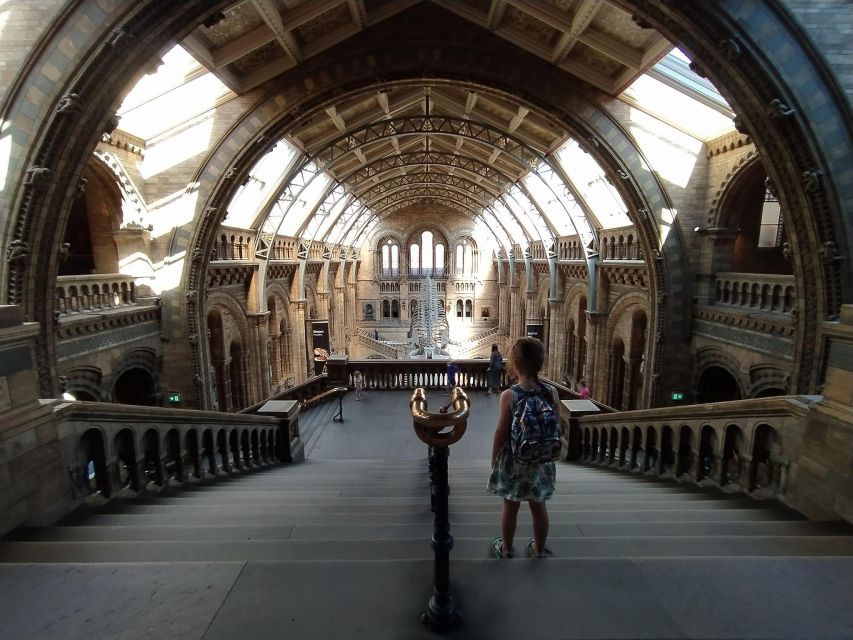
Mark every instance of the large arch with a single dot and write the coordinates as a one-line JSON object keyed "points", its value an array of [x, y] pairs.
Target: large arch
{"points": [[747, 68]]}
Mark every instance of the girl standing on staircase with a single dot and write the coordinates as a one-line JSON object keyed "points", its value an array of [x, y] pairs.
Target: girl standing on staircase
{"points": [[513, 481]]}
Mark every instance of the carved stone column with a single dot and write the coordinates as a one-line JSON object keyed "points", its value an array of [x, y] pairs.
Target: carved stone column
{"points": [[592, 371], [556, 341], [260, 337], [297, 341]]}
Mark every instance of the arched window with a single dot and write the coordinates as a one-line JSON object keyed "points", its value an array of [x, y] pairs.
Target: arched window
{"points": [[465, 257], [427, 255], [395, 309], [386, 309], [469, 309], [389, 258], [414, 260], [458, 308]]}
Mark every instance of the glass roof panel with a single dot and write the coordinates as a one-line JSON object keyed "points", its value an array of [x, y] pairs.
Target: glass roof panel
{"points": [[299, 199], [529, 215], [560, 199], [591, 182], [264, 176], [671, 92], [510, 224], [494, 228]]}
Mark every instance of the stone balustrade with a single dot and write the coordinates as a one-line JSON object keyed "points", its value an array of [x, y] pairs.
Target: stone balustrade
{"points": [[96, 292], [112, 449], [758, 291], [746, 445]]}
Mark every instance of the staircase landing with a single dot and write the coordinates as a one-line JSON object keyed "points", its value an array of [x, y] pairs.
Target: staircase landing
{"points": [[338, 547]]}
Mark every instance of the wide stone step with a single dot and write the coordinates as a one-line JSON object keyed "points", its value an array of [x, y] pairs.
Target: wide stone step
{"points": [[386, 549], [616, 598], [415, 525]]}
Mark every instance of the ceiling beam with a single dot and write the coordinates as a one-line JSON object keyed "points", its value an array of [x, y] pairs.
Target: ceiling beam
{"points": [[269, 12], [584, 15]]}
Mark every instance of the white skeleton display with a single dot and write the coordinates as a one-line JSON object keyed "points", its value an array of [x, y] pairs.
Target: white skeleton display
{"points": [[429, 327]]}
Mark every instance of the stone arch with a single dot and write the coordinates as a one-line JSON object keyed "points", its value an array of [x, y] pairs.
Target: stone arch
{"points": [[142, 360], [724, 37], [84, 383], [709, 357], [720, 203]]}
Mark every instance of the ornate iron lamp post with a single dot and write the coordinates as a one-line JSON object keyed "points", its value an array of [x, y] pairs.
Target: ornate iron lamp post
{"points": [[439, 431]]}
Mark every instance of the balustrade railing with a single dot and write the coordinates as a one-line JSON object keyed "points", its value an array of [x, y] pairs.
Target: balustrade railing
{"points": [[761, 292], [112, 448], [745, 445], [410, 374], [96, 292]]}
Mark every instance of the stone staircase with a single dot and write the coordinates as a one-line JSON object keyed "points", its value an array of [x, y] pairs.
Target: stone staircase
{"points": [[333, 548]]}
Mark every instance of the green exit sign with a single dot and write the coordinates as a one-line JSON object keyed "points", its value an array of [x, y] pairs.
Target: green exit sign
{"points": [[677, 396], [174, 397]]}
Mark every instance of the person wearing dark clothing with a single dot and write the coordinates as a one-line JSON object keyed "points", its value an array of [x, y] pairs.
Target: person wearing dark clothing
{"points": [[493, 373]]}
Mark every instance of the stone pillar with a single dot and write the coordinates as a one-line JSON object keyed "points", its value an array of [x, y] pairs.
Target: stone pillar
{"points": [[297, 341], [629, 399], [515, 329], [556, 341], [592, 371], [259, 324], [35, 467], [275, 360]]}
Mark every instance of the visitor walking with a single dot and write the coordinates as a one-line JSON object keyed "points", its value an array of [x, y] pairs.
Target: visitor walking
{"points": [[358, 383], [493, 373], [512, 479], [452, 371], [584, 391]]}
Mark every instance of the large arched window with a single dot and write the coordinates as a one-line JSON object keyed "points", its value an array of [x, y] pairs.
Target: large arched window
{"points": [[427, 255], [465, 257], [389, 258]]}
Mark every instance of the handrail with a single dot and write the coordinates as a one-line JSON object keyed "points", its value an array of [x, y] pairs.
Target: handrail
{"points": [[310, 402], [570, 394], [291, 393]]}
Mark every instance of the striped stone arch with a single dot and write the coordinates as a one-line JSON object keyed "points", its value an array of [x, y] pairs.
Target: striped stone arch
{"points": [[745, 48], [621, 306], [707, 357], [718, 205]]}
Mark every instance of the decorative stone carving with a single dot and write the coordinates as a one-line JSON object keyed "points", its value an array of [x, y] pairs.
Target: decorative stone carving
{"points": [[740, 126], [230, 173], [779, 109], [69, 103], [81, 187], [17, 251], [622, 174], [37, 176], [786, 251], [111, 125], [829, 253], [213, 19], [640, 22], [731, 48], [811, 180], [210, 211], [196, 255], [193, 338], [192, 295], [64, 251], [695, 68], [119, 38]]}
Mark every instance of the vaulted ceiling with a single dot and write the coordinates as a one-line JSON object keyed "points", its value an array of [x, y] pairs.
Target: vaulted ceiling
{"points": [[382, 145]]}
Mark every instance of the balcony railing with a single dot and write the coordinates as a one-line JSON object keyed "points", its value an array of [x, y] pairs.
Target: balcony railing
{"points": [[97, 292], [756, 291]]}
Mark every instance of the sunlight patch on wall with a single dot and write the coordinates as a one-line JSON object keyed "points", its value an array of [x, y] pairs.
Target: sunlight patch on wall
{"points": [[177, 147], [671, 154], [140, 267], [173, 211], [5, 153], [169, 273]]}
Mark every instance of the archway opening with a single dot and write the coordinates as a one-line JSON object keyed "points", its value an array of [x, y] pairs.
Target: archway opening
{"points": [[716, 384], [136, 386]]}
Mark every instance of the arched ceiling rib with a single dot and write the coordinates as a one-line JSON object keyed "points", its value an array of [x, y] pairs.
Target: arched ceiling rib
{"points": [[422, 136]]}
